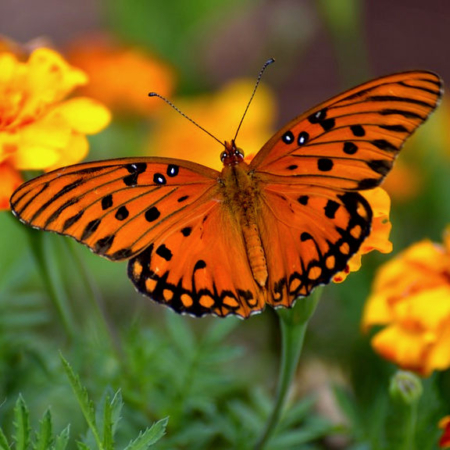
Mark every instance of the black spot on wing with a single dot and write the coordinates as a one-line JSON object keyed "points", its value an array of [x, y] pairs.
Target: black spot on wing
{"points": [[381, 166], [172, 170], [103, 244], [135, 170], [90, 229], [331, 208], [159, 178], [327, 124], [358, 130], [186, 231], [72, 220], [200, 264], [303, 199], [122, 213], [107, 202], [350, 148], [396, 128], [324, 164], [303, 138], [164, 252], [152, 214], [383, 144], [288, 137], [318, 116]]}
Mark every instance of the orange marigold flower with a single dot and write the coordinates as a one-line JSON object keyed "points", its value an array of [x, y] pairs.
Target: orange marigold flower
{"points": [[39, 130], [411, 299], [444, 424], [378, 238], [220, 114], [121, 77]]}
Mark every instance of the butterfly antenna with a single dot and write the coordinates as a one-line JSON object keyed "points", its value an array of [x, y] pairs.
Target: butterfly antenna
{"points": [[154, 94], [267, 63]]}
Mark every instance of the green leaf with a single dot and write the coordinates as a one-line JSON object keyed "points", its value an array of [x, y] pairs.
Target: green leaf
{"points": [[22, 424], [83, 446], [149, 436], [44, 437], [85, 403], [62, 439], [3, 441], [180, 332]]}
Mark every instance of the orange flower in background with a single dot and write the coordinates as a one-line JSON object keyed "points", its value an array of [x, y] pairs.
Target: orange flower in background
{"points": [[220, 114], [378, 238], [39, 129], [444, 424], [411, 299], [121, 77]]}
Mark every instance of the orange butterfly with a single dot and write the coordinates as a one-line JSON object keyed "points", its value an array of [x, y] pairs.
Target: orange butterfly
{"points": [[268, 232]]}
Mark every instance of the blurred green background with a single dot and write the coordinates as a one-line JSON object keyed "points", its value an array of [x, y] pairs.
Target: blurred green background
{"points": [[215, 378]]}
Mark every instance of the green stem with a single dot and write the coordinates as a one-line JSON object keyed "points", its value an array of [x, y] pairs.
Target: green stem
{"points": [[97, 314], [293, 325], [54, 287]]}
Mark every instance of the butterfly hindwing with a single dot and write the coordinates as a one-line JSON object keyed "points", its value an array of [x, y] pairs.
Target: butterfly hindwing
{"points": [[309, 235], [197, 268], [350, 142], [115, 207]]}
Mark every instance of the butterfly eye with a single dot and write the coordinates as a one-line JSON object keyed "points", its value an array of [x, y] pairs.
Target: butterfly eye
{"points": [[223, 156]]}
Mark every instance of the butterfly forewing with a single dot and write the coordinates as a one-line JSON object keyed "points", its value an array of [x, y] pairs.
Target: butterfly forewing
{"points": [[115, 207], [350, 142]]}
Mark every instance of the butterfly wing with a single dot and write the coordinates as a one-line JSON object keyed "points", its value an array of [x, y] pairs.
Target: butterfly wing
{"points": [[115, 207], [350, 142], [312, 220], [166, 216], [200, 267]]}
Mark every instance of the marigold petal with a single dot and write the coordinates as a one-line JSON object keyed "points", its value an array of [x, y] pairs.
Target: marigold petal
{"points": [[84, 115], [403, 347], [10, 181], [427, 309], [8, 67], [439, 355], [51, 77], [376, 312], [75, 151]]}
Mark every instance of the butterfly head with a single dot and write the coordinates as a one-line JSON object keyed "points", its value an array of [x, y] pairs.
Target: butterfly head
{"points": [[232, 155]]}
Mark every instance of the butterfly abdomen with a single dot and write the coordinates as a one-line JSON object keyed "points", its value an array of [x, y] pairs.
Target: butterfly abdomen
{"points": [[241, 197]]}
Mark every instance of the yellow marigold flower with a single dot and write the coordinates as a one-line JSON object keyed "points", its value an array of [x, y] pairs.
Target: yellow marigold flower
{"points": [[39, 130], [444, 424], [411, 299], [121, 77], [220, 114], [378, 238]]}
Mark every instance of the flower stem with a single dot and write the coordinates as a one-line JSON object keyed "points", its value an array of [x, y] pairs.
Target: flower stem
{"points": [[293, 324], [53, 285]]}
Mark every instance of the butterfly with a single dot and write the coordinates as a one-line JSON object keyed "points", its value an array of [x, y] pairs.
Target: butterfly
{"points": [[265, 232]]}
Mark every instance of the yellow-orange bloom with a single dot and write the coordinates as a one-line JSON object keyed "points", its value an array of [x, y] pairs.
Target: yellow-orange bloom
{"points": [[444, 424], [378, 238], [219, 113], [121, 77], [411, 298], [39, 129]]}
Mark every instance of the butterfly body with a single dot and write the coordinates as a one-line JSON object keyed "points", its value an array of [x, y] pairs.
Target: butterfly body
{"points": [[264, 232], [242, 196]]}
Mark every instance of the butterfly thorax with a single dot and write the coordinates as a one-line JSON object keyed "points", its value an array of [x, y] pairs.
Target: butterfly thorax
{"points": [[241, 194]]}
